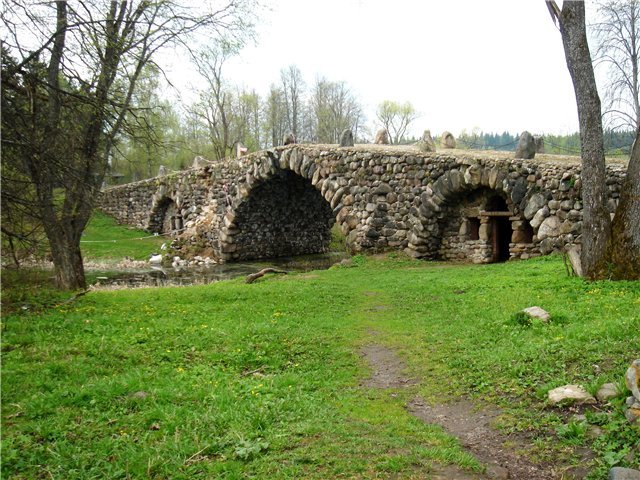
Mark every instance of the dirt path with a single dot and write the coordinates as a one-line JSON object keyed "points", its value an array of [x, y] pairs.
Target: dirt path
{"points": [[502, 454]]}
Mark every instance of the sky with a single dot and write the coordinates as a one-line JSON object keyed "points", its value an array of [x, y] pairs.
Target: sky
{"points": [[493, 65]]}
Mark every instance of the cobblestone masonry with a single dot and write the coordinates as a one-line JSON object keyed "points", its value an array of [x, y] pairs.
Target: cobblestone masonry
{"points": [[451, 204]]}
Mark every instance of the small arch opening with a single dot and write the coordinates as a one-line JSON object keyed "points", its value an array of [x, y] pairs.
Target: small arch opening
{"points": [[166, 217], [527, 233], [476, 226]]}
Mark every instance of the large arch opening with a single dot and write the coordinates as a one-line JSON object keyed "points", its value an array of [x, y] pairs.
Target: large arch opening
{"points": [[476, 226], [283, 216]]}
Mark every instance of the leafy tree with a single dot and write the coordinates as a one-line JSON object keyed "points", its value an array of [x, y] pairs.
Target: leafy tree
{"points": [[396, 118], [94, 53], [607, 250]]}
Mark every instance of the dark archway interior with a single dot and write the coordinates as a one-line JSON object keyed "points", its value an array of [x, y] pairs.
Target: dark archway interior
{"points": [[501, 229], [501, 238], [166, 218], [496, 204], [283, 216]]}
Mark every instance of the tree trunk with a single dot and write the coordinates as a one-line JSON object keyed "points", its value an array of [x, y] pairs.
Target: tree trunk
{"points": [[596, 221], [67, 258], [623, 256]]}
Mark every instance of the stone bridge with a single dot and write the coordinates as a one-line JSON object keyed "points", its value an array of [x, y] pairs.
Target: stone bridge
{"points": [[450, 204]]}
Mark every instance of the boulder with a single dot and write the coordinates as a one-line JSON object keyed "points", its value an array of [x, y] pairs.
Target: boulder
{"points": [[573, 394], [539, 143], [607, 392], [539, 217], [621, 473], [289, 138], [426, 143], [473, 175], [573, 253], [346, 138], [535, 203], [547, 245], [382, 137], [632, 379], [550, 227], [447, 140], [632, 410], [526, 146], [537, 312]]}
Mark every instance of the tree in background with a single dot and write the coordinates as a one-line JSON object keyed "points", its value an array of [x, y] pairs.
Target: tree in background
{"points": [[333, 108], [618, 48], [68, 113], [396, 118], [214, 106], [247, 120], [608, 251], [275, 122], [293, 92], [142, 144]]}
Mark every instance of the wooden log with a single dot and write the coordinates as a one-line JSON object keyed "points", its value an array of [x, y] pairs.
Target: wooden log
{"points": [[254, 276]]}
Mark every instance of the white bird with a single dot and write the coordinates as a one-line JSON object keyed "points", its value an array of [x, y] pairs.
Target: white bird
{"points": [[155, 258]]}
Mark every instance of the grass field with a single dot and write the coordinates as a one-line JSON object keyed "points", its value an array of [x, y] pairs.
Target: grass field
{"points": [[105, 239], [264, 381]]}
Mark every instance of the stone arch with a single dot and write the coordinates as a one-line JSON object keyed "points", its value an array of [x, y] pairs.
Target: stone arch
{"points": [[285, 206], [165, 216], [472, 214]]}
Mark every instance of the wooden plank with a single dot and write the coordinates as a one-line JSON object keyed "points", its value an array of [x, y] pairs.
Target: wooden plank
{"points": [[484, 213]]}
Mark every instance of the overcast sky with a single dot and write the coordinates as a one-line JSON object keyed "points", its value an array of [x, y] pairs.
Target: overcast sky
{"points": [[494, 65]]}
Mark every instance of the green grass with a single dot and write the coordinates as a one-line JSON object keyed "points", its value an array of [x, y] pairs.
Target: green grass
{"points": [[105, 239], [264, 380]]}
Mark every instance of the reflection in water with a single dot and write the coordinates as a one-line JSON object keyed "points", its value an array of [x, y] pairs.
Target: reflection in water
{"points": [[168, 276]]}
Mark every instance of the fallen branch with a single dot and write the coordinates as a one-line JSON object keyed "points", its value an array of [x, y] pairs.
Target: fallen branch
{"points": [[74, 298], [254, 276], [252, 372]]}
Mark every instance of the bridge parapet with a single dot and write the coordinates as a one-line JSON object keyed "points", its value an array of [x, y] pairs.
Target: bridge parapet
{"points": [[454, 204]]}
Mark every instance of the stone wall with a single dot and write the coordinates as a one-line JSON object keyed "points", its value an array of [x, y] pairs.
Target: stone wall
{"points": [[283, 201]]}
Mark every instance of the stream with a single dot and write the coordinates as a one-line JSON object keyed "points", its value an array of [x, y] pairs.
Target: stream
{"points": [[201, 275]]}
